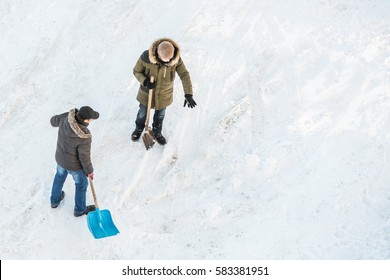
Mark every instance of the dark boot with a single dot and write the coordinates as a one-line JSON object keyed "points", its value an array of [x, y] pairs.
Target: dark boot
{"points": [[136, 134], [159, 137], [62, 197], [88, 209]]}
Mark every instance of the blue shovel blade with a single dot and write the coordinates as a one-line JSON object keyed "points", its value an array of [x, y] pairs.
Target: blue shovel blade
{"points": [[100, 224]]}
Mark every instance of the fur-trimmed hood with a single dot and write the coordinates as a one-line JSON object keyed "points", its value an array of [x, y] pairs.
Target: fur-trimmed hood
{"points": [[75, 126], [153, 56]]}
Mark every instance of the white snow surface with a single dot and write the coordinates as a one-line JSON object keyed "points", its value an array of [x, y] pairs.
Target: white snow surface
{"points": [[286, 155]]}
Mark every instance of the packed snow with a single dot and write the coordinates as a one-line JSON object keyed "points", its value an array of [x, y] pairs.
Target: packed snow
{"points": [[286, 155]]}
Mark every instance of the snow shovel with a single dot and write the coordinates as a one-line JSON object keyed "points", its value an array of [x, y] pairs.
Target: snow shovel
{"points": [[100, 222], [148, 137]]}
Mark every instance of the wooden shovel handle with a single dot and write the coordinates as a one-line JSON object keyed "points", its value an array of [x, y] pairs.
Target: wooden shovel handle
{"points": [[93, 192], [149, 105]]}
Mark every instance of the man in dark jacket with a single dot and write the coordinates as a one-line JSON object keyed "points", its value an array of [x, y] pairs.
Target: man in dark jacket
{"points": [[161, 61], [73, 156]]}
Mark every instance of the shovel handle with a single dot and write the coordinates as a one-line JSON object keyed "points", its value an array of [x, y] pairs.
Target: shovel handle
{"points": [[149, 104], [93, 192]]}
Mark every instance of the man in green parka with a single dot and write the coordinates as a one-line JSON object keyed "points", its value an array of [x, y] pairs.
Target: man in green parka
{"points": [[162, 61]]}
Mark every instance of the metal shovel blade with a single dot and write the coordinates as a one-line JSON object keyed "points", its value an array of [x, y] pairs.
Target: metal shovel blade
{"points": [[149, 139], [100, 224]]}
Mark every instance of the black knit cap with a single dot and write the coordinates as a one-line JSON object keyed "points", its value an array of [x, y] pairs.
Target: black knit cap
{"points": [[87, 112]]}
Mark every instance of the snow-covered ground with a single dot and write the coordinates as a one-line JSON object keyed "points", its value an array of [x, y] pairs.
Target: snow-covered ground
{"points": [[286, 155]]}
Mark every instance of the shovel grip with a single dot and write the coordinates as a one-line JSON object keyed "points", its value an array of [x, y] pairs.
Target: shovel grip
{"points": [[93, 192]]}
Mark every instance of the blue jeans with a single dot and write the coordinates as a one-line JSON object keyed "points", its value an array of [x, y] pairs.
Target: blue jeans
{"points": [[158, 117], [81, 184]]}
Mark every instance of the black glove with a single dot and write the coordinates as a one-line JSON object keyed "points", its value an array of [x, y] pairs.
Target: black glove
{"points": [[191, 102], [148, 84]]}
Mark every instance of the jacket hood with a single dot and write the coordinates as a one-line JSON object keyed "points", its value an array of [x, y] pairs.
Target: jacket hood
{"points": [[153, 57], [75, 126]]}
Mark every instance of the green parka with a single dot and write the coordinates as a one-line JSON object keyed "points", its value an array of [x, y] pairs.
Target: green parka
{"points": [[164, 74]]}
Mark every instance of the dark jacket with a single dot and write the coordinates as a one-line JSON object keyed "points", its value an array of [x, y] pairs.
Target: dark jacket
{"points": [[73, 144], [164, 73]]}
